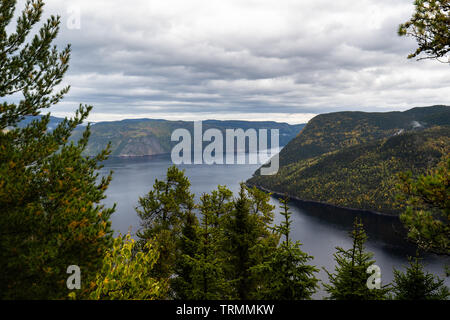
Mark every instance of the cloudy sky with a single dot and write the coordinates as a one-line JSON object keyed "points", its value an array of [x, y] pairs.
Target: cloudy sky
{"points": [[283, 60]]}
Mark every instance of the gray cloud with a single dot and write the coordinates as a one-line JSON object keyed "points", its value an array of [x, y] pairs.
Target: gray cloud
{"points": [[283, 60]]}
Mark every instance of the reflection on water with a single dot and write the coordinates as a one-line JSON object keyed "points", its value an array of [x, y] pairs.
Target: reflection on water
{"points": [[319, 228]]}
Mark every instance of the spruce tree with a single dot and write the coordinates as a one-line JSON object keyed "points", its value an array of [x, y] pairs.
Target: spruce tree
{"points": [[416, 284], [349, 282], [50, 194], [247, 240], [288, 276], [182, 284], [209, 266], [218, 203], [200, 265], [162, 212], [240, 239]]}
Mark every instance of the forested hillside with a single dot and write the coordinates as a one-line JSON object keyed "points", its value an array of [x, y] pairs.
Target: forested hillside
{"points": [[352, 159], [333, 131]]}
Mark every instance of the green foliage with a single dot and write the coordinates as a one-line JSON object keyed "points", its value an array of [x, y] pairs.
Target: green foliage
{"points": [[216, 255], [50, 195], [361, 176], [416, 284], [284, 228], [164, 206], [206, 263], [427, 215], [349, 282], [247, 240], [211, 258], [188, 246], [240, 237], [162, 212], [430, 26], [209, 275], [331, 132], [125, 275], [288, 277]]}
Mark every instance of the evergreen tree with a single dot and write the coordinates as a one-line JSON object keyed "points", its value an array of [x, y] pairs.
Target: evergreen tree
{"points": [[247, 240], [416, 284], [200, 273], [188, 246], [162, 212], [427, 213], [241, 238], [209, 271], [430, 26], [50, 194], [284, 228], [263, 213], [289, 277], [218, 204], [349, 282]]}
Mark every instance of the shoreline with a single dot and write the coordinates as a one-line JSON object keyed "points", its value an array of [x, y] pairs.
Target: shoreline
{"points": [[137, 156], [323, 204]]}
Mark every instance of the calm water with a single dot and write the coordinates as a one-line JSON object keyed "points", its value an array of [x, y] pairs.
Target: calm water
{"points": [[320, 229]]}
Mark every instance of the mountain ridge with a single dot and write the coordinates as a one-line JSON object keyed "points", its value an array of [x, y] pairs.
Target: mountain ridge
{"points": [[365, 126], [356, 167], [146, 136]]}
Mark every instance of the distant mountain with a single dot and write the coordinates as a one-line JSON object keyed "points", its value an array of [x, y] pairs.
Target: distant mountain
{"points": [[54, 122], [351, 159], [144, 137], [141, 137]]}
